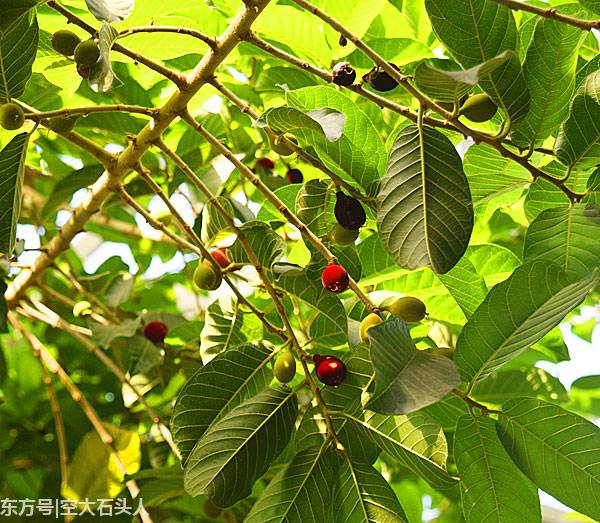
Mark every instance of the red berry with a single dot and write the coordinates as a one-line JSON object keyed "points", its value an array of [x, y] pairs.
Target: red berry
{"points": [[156, 331], [266, 163], [343, 74], [335, 278], [330, 370], [220, 256], [294, 176]]}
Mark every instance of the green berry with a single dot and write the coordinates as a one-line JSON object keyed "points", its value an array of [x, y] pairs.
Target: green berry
{"points": [[206, 276], [62, 124], [368, 321], [285, 367], [12, 117], [65, 42], [479, 108], [410, 309], [341, 236], [87, 53]]}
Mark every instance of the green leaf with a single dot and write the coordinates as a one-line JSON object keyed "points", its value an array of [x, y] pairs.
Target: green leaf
{"points": [[562, 235], [415, 440], [105, 334], [425, 214], [12, 164], [329, 326], [102, 77], [451, 85], [516, 314], [18, 46], [493, 262], [13, 9], [206, 397], [478, 30], [406, 379], [302, 491], [578, 140], [359, 156], [145, 355], [465, 285], [317, 124], [264, 241], [237, 449], [592, 5], [93, 472], [549, 70], [63, 189], [490, 174], [222, 327], [506, 384], [556, 449], [363, 496], [315, 204], [493, 489], [214, 225]]}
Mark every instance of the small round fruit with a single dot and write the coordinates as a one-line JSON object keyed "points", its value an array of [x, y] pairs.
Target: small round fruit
{"points": [[211, 510], [12, 116], [379, 80], [87, 53], [82, 308], [65, 42], [285, 367], [348, 211], [220, 256], [410, 309], [329, 369], [343, 74], [335, 278], [83, 71], [156, 331], [441, 351], [279, 146], [206, 277], [368, 321], [294, 176], [341, 236], [62, 124], [266, 164], [343, 41], [479, 108]]}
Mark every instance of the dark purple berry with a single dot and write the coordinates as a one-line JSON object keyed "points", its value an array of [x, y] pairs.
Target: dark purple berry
{"points": [[348, 211], [343, 74]]}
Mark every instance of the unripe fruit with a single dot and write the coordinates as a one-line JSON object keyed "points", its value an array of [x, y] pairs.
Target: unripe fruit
{"points": [[12, 117], [410, 309], [220, 256], [343, 74], [266, 163], [441, 351], [62, 124], [65, 42], [206, 277], [335, 278], [329, 369], [87, 53], [294, 176], [368, 321], [279, 146], [379, 80], [479, 108], [156, 331], [82, 308], [341, 236], [348, 211], [211, 510], [285, 367]]}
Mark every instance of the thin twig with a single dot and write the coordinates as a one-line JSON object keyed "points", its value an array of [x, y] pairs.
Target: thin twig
{"points": [[211, 41], [551, 13]]}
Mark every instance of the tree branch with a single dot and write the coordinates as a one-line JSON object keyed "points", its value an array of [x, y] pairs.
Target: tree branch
{"points": [[54, 367], [209, 40], [551, 13]]}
